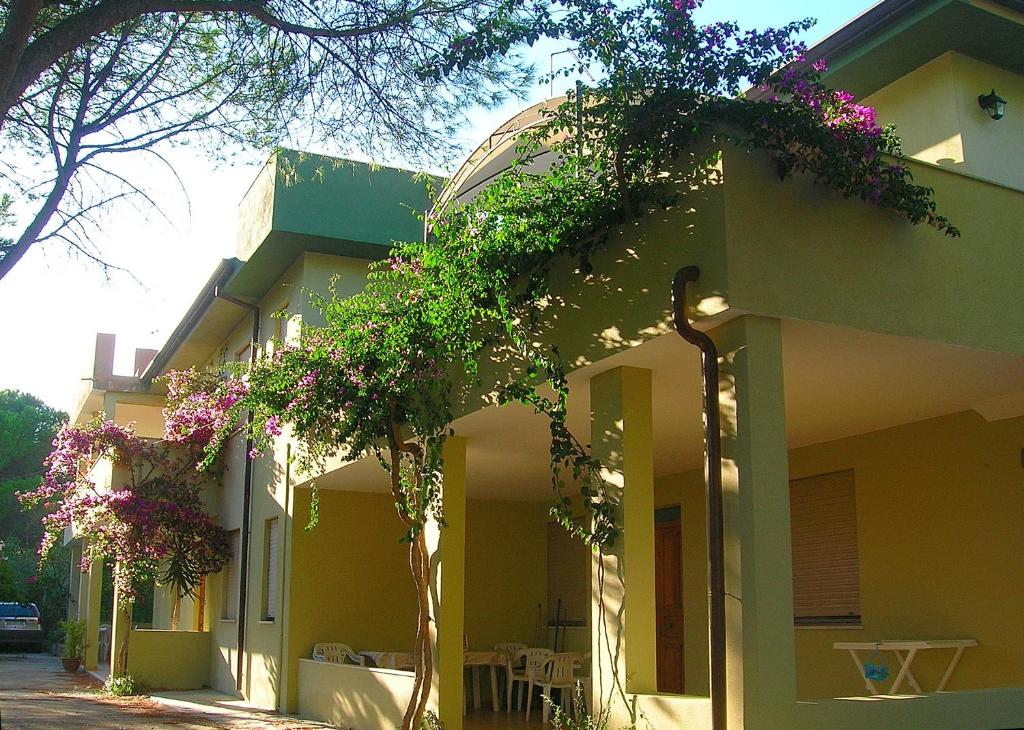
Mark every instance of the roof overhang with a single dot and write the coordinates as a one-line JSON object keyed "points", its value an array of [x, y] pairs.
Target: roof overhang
{"points": [[894, 37], [204, 326]]}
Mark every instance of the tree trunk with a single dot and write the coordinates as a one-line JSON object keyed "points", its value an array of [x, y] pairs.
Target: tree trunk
{"points": [[121, 667], [175, 610], [419, 563], [21, 17]]}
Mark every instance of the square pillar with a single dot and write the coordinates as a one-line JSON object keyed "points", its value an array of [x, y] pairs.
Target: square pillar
{"points": [[75, 581], [448, 585], [624, 640], [760, 655], [90, 607]]}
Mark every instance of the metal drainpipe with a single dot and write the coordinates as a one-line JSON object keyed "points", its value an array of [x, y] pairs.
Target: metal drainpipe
{"points": [[243, 562], [713, 478]]}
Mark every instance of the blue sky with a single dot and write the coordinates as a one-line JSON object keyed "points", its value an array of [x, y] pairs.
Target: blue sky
{"points": [[53, 304]]}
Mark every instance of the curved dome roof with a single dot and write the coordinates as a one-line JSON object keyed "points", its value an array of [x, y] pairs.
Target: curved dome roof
{"points": [[496, 154]]}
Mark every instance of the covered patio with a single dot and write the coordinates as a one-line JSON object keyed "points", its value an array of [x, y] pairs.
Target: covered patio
{"points": [[901, 457]]}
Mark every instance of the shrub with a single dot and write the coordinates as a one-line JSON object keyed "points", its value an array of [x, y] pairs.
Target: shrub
{"points": [[125, 686], [74, 639]]}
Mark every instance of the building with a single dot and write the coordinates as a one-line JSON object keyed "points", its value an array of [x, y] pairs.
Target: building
{"points": [[872, 395]]}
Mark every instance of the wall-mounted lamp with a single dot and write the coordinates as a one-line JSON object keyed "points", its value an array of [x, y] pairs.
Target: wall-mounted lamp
{"points": [[993, 104]]}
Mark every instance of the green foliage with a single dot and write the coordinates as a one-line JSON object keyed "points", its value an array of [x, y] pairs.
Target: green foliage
{"points": [[123, 686], [393, 364], [562, 720], [28, 426], [431, 721], [94, 80], [42, 582], [11, 589], [463, 313], [74, 638]]}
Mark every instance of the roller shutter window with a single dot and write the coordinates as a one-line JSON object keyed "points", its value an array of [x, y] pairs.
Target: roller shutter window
{"points": [[826, 562]]}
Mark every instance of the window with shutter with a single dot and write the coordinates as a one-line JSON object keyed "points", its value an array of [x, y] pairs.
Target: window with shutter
{"points": [[282, 323], [826, 562], [568, 578], [270, 570], [229, 609]]}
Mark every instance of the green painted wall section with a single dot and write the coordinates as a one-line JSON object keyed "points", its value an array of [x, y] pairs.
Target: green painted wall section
{"points": [[303, 202], [919, 32], [349, 200]]}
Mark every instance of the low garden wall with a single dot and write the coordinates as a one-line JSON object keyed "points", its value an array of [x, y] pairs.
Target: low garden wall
{"points": [[169, 659], [352, 696]]}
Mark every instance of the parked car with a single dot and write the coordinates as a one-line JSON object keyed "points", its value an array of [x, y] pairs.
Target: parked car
{"points": [[19, 625]]}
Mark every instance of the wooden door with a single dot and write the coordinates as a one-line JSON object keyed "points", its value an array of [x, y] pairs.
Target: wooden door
{"points": [[668, 593]]}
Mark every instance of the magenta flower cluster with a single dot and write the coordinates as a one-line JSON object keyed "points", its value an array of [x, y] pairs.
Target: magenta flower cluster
{"points": [[150, 521], [201, 407]]}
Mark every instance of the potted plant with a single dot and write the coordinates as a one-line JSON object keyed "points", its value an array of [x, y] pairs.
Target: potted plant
{"points": [[74, 645]]}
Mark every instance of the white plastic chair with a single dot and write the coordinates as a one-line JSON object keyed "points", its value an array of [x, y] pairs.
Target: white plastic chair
{"points": [[512, 652], [336, 653], [531, 673], [558, 672]]}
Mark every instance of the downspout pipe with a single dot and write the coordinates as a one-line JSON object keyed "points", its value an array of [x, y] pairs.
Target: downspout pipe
{"points": [[713, 479], [243, 560]]}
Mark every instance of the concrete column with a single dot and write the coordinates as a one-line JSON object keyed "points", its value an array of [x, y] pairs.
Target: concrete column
{"points": [[761, 665], [75, 581], [93, 581], [448, 584], [624, 641]]}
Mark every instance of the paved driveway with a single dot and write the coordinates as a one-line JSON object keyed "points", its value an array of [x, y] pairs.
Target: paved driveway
{"points": [[35, 692]]}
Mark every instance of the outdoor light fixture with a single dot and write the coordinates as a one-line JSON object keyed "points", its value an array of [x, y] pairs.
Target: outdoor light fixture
{"points": [[992, 103]]}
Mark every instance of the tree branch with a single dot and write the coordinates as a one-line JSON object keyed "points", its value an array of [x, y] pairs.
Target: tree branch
{"points": [[29, 64]]}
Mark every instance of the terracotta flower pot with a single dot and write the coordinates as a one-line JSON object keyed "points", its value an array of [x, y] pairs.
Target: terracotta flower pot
{"points": [[71, 663]]}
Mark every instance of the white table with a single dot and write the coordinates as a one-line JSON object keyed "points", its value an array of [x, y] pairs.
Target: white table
{"points": [[473, 660], [402, 660], [905, 651]]}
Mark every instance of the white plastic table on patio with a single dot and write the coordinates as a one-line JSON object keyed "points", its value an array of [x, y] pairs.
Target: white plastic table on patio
{"points": [[476, 659], [401, 660], [473, 659], [905, 651]]}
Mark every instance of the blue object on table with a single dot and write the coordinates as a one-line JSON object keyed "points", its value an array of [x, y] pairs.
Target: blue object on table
{"points": [[875, 672]]}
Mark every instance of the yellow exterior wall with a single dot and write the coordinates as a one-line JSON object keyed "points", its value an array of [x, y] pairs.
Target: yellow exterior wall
{"points": [[937, 116], [350, 578], [350, 572], [939, 507], [939, 504], [506, 571], [169, 659], [348, 274], [262, 667]]}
